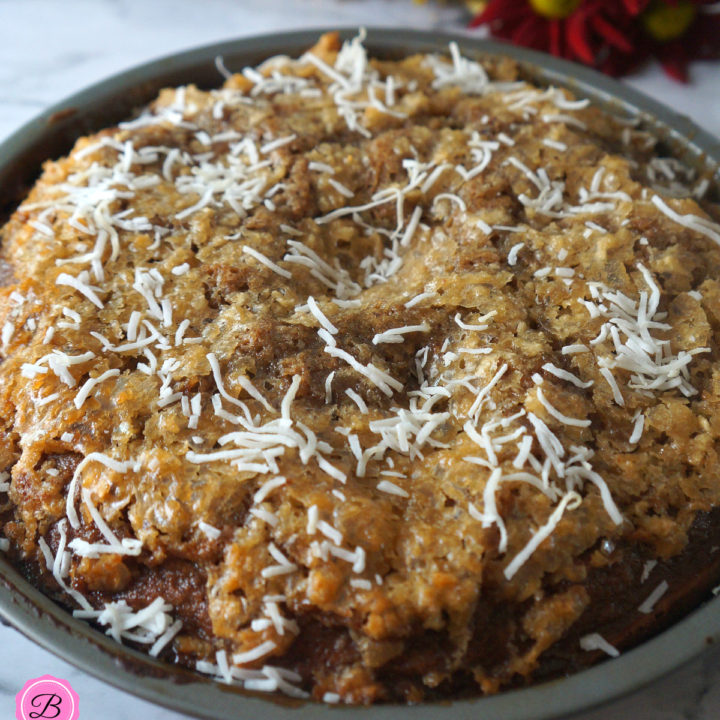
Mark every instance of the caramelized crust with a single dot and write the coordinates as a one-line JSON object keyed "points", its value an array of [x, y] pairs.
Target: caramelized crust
{"points": [[490, 391]]}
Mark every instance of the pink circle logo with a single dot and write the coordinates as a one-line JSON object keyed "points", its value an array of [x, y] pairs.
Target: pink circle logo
{"points": [[47, 698]]}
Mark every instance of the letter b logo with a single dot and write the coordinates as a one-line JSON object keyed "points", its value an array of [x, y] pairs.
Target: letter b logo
{"points": [[47, 698]]}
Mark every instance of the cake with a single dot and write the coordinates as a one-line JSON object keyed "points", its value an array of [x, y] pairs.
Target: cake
{"points": [[365, 381]]}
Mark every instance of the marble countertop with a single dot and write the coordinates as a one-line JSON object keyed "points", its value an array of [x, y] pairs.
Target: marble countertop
{"points": [[50, 49]]}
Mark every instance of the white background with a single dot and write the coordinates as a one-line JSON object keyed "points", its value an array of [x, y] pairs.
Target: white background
{"points": [[51, 48]]}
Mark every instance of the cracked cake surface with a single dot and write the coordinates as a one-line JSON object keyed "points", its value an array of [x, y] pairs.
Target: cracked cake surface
{"points": [[364, 380]]}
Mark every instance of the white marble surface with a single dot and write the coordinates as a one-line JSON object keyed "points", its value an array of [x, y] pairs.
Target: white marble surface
{"points": [[49, 49]]}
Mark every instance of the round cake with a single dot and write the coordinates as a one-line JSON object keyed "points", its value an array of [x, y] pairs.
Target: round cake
{"points": [[364, 380]]}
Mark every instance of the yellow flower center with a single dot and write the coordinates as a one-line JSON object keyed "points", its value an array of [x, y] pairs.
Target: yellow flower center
{"points": [[667, 22], [554, 9], [476, 6]]}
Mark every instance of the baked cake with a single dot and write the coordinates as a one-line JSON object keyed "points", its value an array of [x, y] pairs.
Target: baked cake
{"points": [[365, 380]]}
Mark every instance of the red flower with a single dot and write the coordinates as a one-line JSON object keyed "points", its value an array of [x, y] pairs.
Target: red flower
{"points": [[699, 41], [613, 36]]}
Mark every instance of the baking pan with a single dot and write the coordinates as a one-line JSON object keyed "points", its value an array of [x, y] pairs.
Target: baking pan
{"points": [[52, 134]]}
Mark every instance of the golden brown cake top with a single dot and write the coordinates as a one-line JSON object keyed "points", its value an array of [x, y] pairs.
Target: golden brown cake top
{"points": [[371, 341]]}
